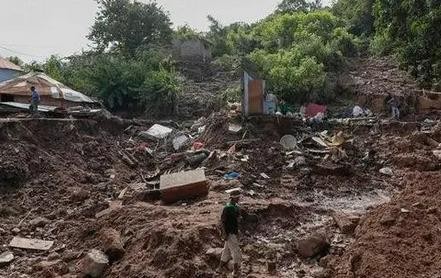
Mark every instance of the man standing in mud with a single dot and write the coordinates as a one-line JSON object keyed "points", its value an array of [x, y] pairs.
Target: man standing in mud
{"points": [[230, 231], [35, 100]]}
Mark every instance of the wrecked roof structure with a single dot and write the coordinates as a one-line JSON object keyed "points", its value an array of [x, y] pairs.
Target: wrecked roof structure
{"points": [[8, 70], [51, 91]]}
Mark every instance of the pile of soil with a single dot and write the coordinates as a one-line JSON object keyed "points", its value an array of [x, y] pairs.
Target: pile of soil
{"points": [[68, 171], [398, 239]]}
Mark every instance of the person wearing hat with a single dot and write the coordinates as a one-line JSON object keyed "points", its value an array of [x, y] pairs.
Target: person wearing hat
{"points": [[230, 230]]}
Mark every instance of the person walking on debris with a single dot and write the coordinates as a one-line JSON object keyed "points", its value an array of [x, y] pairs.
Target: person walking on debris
{"points": [[392, 101], [230, 231], [35, 100]]}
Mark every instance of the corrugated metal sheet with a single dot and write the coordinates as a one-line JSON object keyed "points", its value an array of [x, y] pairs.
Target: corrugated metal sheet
{"points": [[8, 74], [44, 85], [6, 64]]}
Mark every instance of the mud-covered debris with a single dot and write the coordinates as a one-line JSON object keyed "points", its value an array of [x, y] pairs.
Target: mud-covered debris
{"points": [[112, 244], [312, 246], [93, 264], [183, 185], [346, 222]]}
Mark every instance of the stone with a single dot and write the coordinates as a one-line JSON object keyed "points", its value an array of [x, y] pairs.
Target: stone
{"points": [[215, 253], [39, 222], [386, 171], [93, 264], [6, 258], [183, 185], [387, 220], [234, 128], [29, 243], [313, 246], [53, 256], [112, 244], [15, 231], [346, 222], [78, 195]]}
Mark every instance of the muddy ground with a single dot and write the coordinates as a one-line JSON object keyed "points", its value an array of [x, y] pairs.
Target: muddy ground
{"points": [[56, 175]]}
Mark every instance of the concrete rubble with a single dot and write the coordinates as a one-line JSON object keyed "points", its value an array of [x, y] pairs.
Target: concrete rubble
{"points": [[29, 243]]}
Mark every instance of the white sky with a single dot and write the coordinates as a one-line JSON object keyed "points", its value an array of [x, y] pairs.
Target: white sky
{"points": [[35, 29]]}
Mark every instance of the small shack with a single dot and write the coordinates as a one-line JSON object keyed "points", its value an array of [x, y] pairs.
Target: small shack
{"points": [[52, 92], [9, 70], [253, 93]]}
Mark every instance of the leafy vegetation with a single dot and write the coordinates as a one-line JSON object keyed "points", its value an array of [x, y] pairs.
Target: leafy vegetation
{"points": [[299, 49]]}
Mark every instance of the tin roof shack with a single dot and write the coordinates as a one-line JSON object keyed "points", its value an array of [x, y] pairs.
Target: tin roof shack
{"points": [[52, 92], [253, 93], [9, 70]]}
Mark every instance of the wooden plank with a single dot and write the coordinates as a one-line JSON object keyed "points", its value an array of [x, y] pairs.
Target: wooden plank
{"points": [[29, 243]]}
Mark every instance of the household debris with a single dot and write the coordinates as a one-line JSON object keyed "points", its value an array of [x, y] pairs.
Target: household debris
{"points": [[183, 186], [156, 132]]}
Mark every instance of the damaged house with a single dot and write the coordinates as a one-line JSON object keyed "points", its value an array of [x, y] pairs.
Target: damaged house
{"points": [[16, 92], [9, 70]]}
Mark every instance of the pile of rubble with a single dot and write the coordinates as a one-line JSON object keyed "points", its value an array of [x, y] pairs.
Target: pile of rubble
{"points": [[135, 199]]}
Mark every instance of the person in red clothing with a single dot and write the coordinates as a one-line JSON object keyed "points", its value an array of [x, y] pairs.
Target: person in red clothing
{"points": [[230, 231]]}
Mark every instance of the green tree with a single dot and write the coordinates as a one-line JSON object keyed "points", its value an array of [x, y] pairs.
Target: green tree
{"points": [[298, 5], [125, 26], [16, 60], [358, 14]]}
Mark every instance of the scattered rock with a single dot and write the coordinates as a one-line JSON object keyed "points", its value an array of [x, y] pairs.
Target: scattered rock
{"points": [[112, 244], [387, 220], [79, 195], [15, 231], [214, 253], [312, 246], [93, 264], [39, 222], [6, 258], [386, 171], [53, 256], [345, 222]]}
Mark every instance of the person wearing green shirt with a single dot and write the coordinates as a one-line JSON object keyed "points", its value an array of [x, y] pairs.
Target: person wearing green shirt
{"points": [[230, 231]]}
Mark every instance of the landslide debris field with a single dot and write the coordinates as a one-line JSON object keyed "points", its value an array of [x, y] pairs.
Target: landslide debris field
{"points": [[360, 200]]}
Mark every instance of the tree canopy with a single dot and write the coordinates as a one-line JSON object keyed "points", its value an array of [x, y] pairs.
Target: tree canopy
{"points": [[126, 26]]}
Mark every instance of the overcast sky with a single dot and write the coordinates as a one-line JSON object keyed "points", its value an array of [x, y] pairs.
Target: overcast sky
{"points": [[35, 29]]}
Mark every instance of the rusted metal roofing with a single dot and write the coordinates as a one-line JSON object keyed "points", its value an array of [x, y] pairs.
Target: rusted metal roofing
{"points": [[6, 64], [44, 85]]}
